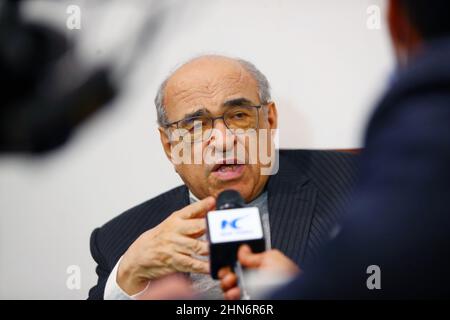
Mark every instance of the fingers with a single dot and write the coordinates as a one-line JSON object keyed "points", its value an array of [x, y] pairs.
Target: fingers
{"points": [[232, 294], [185, 263], [228, 282], [192, 227], [223, 272], [189, 246], [198, 209], [249, 259]]}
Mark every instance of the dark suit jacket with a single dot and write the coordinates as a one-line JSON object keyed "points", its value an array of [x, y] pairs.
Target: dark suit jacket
{"points": [[400, 216], [306, 199]]}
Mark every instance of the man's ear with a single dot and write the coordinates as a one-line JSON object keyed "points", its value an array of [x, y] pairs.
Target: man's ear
{"points": [[405, 37], [165, 141], [272, 115], [397, 21]]}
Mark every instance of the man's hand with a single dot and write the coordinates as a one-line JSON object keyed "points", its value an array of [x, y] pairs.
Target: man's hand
{"points": [[166, 249], [171, 287], [272, 260]]}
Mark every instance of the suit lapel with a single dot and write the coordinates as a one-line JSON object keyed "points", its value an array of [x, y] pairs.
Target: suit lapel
{"points": [[291, 203], [176, 201]]}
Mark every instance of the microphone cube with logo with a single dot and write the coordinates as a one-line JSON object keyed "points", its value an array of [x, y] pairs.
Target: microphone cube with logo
{"points": [[230, 226]]}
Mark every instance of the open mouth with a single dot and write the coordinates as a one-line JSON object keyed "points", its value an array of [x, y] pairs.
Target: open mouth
{"points": [[228, 171]]}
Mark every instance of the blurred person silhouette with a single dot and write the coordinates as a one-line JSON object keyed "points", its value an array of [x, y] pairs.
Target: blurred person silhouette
{"points": [[396, 239]]}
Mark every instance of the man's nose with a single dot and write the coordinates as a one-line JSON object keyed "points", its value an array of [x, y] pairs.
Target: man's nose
{"points": [[221, 138]]}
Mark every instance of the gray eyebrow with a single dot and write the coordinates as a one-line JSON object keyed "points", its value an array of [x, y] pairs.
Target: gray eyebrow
{"points": [[238, 102], [228, 103], [196, 113]]}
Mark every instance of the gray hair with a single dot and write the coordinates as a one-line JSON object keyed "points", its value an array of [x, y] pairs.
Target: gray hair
{"points": [[260, 78]]}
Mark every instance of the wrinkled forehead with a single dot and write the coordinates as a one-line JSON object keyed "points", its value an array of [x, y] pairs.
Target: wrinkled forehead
{"points": [[208, 83]]}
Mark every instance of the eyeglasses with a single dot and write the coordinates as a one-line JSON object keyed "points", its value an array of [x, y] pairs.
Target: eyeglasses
{"points": [[199, 128]]}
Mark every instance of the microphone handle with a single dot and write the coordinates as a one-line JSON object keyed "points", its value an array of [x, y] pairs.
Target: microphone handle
{"points": [[241, 283]]}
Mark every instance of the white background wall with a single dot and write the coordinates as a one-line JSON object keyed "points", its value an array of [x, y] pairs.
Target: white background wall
{"points": [[326, 69]]}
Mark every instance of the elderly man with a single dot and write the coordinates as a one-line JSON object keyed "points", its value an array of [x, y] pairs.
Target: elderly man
{"points": [[203, 105]]}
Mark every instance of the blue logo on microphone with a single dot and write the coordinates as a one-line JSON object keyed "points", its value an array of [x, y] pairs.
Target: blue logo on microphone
{"points": [[231, 223]]}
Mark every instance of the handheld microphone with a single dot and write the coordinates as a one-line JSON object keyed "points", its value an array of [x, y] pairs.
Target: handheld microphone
{"points": [[230, 226]]}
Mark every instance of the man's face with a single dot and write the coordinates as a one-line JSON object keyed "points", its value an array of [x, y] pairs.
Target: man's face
{"points": [[210, 87]]}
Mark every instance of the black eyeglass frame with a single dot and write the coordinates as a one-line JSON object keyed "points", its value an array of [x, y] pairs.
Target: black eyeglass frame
{"points": [[213, 119]]}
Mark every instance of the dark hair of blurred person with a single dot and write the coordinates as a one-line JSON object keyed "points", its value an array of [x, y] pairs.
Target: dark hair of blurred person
{"points": [[430, 18]]}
